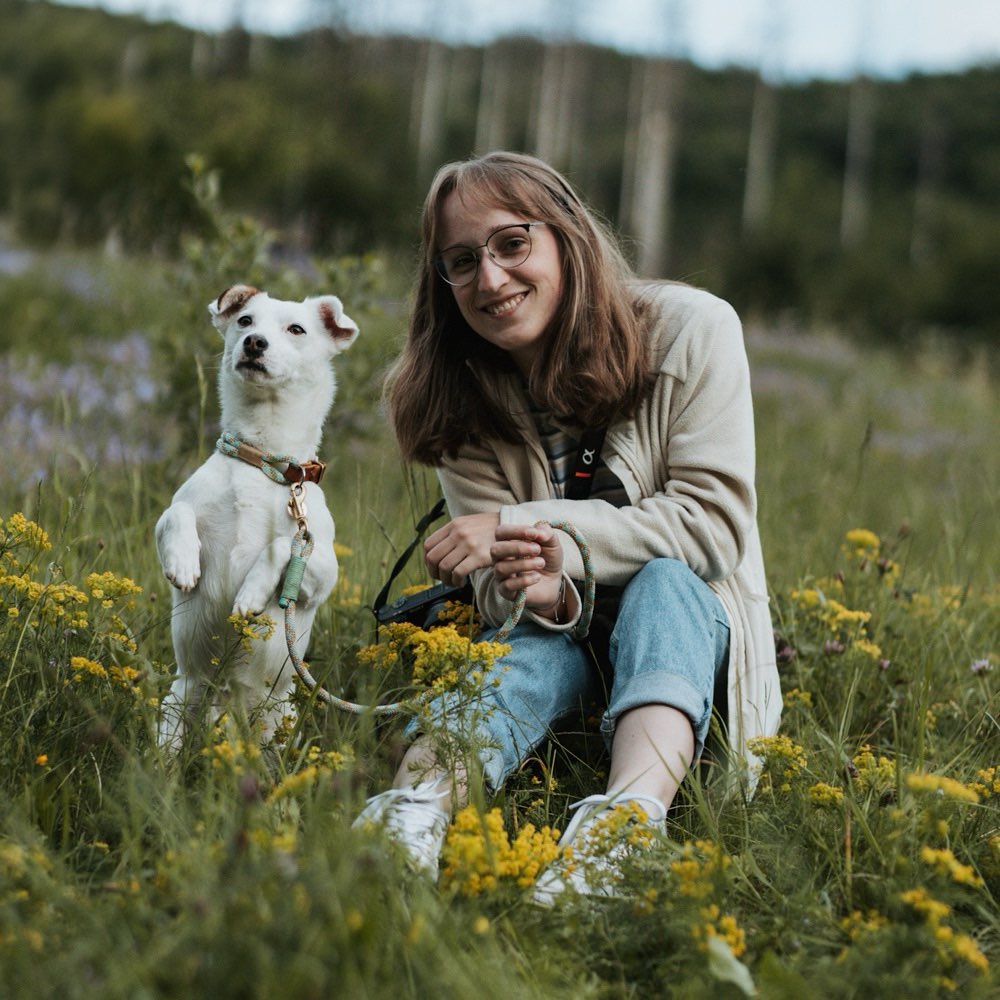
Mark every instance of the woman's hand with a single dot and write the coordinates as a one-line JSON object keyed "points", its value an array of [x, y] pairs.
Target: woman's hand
{"points": [[528, 557], [460, 547]]}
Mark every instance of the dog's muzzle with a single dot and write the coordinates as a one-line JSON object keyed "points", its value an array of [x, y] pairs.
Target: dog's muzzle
{"points": [[254, 346]]}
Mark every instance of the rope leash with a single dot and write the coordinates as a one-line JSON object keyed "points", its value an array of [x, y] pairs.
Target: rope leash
{"points": [[582, 627], [302, 548]]}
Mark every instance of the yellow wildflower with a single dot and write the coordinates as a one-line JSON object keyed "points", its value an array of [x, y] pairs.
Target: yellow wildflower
{"points": [[796, 697], [844, 623], [987, 783], [861, 541], [869, 648], [698, 868], [252, 628], [478, 856], [943, 785], [857, 923], [109, 586], [933, 910], [944, 862], [18, 530], [82, 666], [783, 760], [949, 944], [295, 783], [462, 616], [624, 825], [937, 600], [439, 659], [822, 794], [721, 925], [873, 774], [967, 949]]}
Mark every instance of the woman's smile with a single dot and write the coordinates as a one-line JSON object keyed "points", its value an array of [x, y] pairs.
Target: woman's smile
{"points": [[511, 307], [505, 307]]}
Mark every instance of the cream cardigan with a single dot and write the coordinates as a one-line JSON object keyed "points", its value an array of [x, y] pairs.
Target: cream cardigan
{"points": [[686, 461]]}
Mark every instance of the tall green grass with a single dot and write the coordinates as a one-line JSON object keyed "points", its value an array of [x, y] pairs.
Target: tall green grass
{"points": [[868, 861]]}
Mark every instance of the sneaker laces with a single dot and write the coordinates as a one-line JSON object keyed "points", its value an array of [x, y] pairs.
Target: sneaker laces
{"points": [[412, 819], [604, 830]]}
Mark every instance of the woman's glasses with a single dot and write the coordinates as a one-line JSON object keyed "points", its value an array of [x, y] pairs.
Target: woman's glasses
{"points": [[508, 247]]}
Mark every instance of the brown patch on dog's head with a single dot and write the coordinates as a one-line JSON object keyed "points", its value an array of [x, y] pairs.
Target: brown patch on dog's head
{"points": [[230, 301]]}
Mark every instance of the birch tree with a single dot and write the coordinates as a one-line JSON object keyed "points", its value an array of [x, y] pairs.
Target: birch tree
{"points": [[651, 146]]}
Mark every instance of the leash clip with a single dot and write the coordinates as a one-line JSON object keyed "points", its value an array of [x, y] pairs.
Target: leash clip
{"points": [[297, 505]]}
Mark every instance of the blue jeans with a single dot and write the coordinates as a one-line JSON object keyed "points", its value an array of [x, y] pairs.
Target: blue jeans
{"points": [[669, 642]]}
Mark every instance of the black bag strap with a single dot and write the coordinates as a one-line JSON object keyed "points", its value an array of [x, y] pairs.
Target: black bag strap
{"points": [[581, 479], [422, 525]]}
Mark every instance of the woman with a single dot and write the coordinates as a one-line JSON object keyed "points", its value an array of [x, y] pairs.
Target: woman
{"points": [[528, 329]]}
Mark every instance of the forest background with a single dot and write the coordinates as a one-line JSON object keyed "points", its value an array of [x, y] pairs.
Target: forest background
{"points": [[871, 204]]}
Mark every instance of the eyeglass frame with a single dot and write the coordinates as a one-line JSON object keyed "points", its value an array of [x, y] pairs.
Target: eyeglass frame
{"points": [[438, 259]]}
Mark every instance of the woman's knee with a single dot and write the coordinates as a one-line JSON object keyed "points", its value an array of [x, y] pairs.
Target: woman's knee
{"points": [[665, 584], [669, 572]]}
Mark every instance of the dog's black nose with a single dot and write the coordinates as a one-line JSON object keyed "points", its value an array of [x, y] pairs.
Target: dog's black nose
{"points": [[254, 345]]}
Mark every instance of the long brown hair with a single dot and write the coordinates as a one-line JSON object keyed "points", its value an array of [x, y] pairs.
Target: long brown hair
{"points": [[594, 364]]}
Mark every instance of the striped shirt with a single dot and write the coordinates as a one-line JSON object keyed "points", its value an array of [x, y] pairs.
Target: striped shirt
{"points": [[560, 447]]}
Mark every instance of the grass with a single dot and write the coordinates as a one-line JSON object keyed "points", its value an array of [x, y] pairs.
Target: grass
{"points": [[868, 862]]}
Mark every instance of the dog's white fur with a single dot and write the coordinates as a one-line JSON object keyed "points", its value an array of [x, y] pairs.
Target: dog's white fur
{"points": [[225, 540]]}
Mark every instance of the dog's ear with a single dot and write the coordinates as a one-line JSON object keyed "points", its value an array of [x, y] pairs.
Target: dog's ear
{"points": [[231, 300], [342, 329]]}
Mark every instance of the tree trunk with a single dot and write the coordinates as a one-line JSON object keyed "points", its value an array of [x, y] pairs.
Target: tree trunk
{"points": [[557, 112], [758, 188], [930, 166], [427, 117], [494, 98], [649, 163], [857, 167]]}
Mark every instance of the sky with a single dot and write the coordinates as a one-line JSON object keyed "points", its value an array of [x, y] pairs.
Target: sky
{"points": [[791, 39]]}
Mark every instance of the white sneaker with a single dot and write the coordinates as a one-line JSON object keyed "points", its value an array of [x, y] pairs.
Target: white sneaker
{"points": [[600, 836], [413, 820]]}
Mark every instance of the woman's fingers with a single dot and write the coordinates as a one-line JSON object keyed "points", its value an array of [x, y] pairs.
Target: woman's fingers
{"points": [[452, 552]]}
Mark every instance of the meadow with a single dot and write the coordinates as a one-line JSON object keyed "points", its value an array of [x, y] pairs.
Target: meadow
{"points": [[867, 863]]}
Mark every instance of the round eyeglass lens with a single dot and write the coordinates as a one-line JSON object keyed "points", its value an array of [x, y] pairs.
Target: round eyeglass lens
{"points": [[507, 247]]}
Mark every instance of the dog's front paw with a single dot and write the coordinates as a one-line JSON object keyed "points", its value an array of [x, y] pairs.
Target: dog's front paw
{"points": [[183, 570], [250, 602]]}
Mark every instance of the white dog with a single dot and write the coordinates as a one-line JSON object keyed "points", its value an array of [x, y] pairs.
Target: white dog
{"points": [[225, 540]]}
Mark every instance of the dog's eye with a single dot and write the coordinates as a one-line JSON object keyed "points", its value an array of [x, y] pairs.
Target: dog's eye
{"points": [[297, 330], [246, 320]]}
